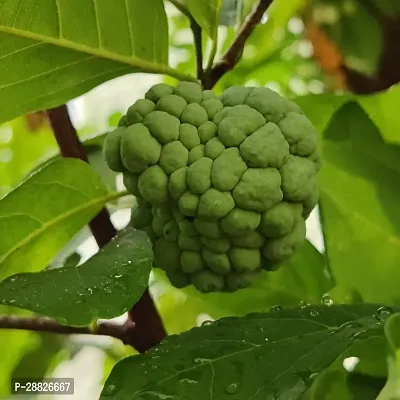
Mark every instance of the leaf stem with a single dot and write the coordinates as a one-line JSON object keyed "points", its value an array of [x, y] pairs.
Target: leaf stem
{"points": [[43, 324], [232, 56], [213, 52]]}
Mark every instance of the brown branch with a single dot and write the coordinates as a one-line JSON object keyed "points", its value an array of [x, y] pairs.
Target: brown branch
{"points": [[70, 146], [42, 324], [231, 57], [144, 328], [198, 45]]}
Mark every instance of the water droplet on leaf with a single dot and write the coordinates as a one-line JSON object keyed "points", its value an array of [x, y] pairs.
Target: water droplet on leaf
{"points": [[314, 312], [232, 388], [201, 360], [276, 308], [304, 304], [207, 323], [327, 300], [109, 390], [382, 313]]}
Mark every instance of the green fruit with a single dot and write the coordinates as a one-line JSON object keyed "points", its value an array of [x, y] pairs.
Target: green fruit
{"points": [[224, 184]]}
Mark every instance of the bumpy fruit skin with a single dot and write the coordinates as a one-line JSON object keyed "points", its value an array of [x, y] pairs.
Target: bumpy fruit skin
{"points": [[224, 184]]}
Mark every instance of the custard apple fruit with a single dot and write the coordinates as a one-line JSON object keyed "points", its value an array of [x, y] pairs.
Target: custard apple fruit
{"points": [[224, 184]]}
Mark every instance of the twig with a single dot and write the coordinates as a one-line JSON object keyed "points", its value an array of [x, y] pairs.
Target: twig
{"points": [[231, 57], [42, 324], [198, 45], [144, 328]]}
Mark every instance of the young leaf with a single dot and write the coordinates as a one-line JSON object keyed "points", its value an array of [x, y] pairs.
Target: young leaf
{"points": [[255, 357], [206, 13], [42, 214], [106, 286], [53, 51]]}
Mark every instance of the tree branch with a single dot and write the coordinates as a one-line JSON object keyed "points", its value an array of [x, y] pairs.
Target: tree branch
{"points": [[198, 45], [231, 57], [70, 146], [42, 324], [144, 329]]}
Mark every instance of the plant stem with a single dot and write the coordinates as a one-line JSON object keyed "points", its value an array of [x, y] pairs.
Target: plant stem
{"points": [[144, 325], [231, 57], [42, 324], [198, 45]]}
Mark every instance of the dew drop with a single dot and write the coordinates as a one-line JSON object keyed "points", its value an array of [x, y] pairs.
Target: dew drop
{"points": [[304, 304], [326, 300], [201, 360], [90, 290], [266, 339], [276, 308], [382, 313], [117, 276], [154, 367], [314, 312], [348, 325], [109, 390], [186, 380], [207, 323], [12, 301], [232, 388]]}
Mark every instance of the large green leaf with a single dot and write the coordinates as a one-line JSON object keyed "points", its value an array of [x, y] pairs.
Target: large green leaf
{"points": [[104, 287], [53, 51], [257, 357], [359, 193], [381, 109], [42, 214], [206, 13]]}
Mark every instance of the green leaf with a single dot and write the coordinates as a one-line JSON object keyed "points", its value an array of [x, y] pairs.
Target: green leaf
{"points": [[206, 13], [255, 357], [53, 51], [382, 108], [106, 286], [340, 384], [230, 10], [42, 214], [391, 391], [359, 208]]}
